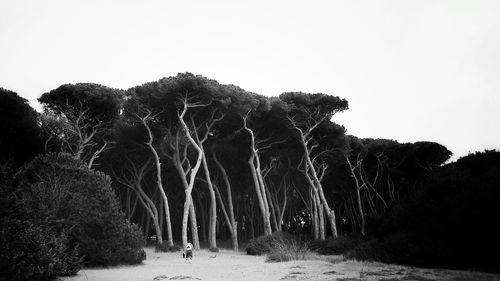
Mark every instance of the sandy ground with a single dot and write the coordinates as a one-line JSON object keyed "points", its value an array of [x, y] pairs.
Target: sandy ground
{"points": [[237, 266]]}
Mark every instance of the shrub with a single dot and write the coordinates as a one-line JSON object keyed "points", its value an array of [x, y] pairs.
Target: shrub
{"points": [[166, 248], [337, 246], [214, 250], [287, 250], [29, 251], [61, 190], [264, 244]]}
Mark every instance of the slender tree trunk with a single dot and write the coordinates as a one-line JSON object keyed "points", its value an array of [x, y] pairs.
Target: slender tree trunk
{"points": [[148, 225], [194, 226], [233, 230], [232, 222], [254, 163], [193, 171], [159, 184], [249, 221], [96, 154], [315, 216], [321, 219], [319, 188], [263, 189], [134, 208], [358, 195], [314, 175], [213, 203], [260, 199], [203, 221], [127, 202], [272, 212], [160, 214], [153, 212]]}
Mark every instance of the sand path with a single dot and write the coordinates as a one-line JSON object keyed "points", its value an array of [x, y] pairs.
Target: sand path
{"points": [[237, 266]]}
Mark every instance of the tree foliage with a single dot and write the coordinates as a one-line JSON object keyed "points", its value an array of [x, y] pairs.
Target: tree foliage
{"points": [[19, 132], [69, 197], [188, 155]]}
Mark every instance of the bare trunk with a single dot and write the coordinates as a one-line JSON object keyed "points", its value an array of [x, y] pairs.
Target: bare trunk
{"points": [[159, 185], [185, 216], [132, 212], [194, 226], [127, 202], [262, 186], [212, 242], [134, 184], [273, 212], [79, 150], [358, 195], [265, 214], [232, 222], [319, 188], [203, 221], [315, 216], [160, 214], [233, 230], [148, 225], [258, 181], [96, 154], [193, 171], [360, 210], [310, 166]]}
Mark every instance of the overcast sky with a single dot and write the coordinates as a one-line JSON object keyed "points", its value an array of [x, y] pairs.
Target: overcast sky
{"points": [[411, 70]]}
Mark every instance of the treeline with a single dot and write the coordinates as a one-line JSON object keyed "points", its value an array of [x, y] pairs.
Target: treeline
{"points": [[56, 214], [192, 159], [447, 222]]}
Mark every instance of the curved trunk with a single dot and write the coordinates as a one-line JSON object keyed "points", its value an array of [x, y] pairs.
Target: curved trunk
{"points": [[265, 214], [153, 212], [159, 185], [233, 227], [358, 195], [319, 188], [258, 181]]}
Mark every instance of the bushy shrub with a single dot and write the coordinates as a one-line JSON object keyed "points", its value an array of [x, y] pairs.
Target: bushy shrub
{"points": [[29, 251], [213, 250], [61, 190], [338, 246], [32, 252], [166, 248], [263, 244], [287, 250]]}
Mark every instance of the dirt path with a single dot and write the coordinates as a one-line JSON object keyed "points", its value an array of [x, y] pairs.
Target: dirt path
{"points": [[237, 266]]}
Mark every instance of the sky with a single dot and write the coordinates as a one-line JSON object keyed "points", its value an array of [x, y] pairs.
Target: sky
{"points": [[410, 70]]}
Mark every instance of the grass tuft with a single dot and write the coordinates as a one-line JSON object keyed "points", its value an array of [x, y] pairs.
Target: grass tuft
{"points": [[290, 250]]}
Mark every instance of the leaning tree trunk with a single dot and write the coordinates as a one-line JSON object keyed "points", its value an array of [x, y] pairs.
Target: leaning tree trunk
{"points": [[159, 184], [263, 210], [193, 171], [321, 204], [212, 238], [233, 227], [318, 187], [258, 182], [358, 195]]}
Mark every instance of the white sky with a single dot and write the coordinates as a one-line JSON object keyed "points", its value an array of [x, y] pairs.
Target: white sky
{"points": [[411, 70]]}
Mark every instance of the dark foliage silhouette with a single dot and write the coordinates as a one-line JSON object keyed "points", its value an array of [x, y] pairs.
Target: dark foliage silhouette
{"points": [[74, 199]]}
